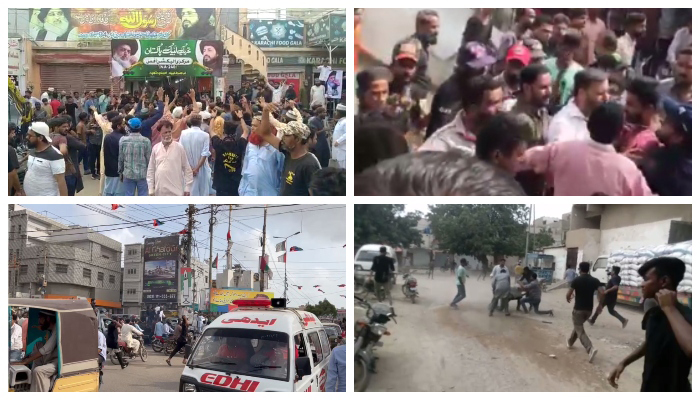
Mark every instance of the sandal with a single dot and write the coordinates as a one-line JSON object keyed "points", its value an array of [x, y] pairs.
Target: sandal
{"points": [[168, 361]]}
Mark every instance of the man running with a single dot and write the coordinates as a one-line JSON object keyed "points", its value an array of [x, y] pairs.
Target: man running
{"points": [[382, 268], [610, 298], [461, 274], [585, 287]]}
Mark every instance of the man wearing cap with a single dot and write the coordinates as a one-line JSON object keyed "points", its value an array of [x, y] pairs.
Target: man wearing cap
{"points": [[45, 166], [524, 18], [669, 169], [517, 58], [427, 29], [206, 119], [537, 54], [196, 144], [299, 164], [134, 153], [339, 137], [45, 355], [473, 60]]}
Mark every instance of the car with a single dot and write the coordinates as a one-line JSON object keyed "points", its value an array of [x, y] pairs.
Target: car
{"points": [[365, 255]]}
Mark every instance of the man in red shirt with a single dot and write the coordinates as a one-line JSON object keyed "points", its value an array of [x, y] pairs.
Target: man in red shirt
{"points": [[55, 103]]}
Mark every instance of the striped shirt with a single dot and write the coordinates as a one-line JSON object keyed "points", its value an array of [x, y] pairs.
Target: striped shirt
{"points": [[134, 153]]}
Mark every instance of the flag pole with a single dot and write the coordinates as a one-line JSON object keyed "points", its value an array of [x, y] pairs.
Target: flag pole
{"points": [[262, 260], [211, 250]]}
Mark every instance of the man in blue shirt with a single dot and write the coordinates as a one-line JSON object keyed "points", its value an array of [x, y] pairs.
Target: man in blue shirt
{"points": [[336, 370]]}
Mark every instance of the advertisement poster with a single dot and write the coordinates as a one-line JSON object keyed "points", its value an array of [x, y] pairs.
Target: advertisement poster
{"points": [[293, 78], [76, 24], [155, 58], [334, 84], [160, 278], [13, 56], [338, 29], [221, 297], [276, 33], [318, 32]]}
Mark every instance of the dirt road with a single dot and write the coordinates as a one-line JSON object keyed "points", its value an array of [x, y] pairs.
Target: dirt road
{"points": [[436, 348]]}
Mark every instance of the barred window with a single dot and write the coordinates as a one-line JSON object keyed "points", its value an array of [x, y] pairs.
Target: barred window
{"points": [[101, 276], [61, 268], [40, 268], [87, 273], [111, 279], [23, 269]]}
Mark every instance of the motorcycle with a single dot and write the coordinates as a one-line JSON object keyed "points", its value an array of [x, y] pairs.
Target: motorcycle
{"points": [[369, 331], [410, 287], [129, 353]]}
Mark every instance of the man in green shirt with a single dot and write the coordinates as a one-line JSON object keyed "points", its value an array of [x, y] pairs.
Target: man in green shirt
{"points": [[461, 275], [563, 68]]}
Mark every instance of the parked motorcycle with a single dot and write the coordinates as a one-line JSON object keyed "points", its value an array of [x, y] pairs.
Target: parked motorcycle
{"points": [[410, 287], [368, 333], [129, 353]]}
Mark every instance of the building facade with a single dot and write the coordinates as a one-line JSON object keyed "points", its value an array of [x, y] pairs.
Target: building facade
{"points": [[132, 286], [57, 261]]}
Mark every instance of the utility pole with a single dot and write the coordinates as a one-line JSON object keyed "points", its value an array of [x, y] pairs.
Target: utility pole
{"points": [[211, 250], [190, 224], [262, 260], [527, 232], [229, 259]]}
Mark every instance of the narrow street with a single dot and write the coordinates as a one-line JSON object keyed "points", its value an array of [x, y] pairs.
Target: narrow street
{"points": [[435, 348]]}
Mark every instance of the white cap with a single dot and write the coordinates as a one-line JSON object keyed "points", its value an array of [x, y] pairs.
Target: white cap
{"points": [[177, 112], [199, 104], [341, 107], [51, 89], [40, 128], [205, 115]]}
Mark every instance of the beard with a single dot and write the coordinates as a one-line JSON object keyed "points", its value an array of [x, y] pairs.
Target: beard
{"points": [[59, 28], [124, 63], [168, 141]]}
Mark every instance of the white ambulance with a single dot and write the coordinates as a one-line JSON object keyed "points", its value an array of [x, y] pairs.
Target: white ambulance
{"points": [[259, 348]]}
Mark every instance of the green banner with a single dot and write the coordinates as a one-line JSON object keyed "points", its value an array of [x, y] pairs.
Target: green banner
{"points": [[157, 58], [338, 30], [318, 32]]}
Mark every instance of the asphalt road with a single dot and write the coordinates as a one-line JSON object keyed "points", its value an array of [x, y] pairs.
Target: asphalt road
{"points": [[435, 348], [154, 375]]}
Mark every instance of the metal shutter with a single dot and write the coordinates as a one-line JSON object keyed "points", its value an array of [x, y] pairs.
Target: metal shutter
{"points": [[74, 78], [233, 76], [95, 76]]}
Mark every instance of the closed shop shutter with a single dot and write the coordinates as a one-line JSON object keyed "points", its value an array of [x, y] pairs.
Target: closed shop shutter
{"points": [[233, 76], [74, 78]]}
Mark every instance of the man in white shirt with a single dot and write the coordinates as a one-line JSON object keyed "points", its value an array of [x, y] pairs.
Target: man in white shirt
{"points": [[278, 90], [324, 71], [339, 137], [15, 339], [128, 333], [635, 29], [196, 144], [570, 123], [167, 330], [318, 95], [45, 358], [161, 315]]}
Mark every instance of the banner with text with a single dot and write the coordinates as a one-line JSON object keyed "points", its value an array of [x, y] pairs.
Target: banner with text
{"points": [[220, 297], [160, 278], [277, 33], [334, 84], [155, 58], [13, 56], [76, 24], [293, 78]]}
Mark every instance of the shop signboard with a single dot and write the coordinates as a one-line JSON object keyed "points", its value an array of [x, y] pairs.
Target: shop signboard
{"points": [[13, 56], [305, 60], [157, 58], [222, 297], [160, 272], [319, 31], [86, 24], [277, 33], [337, 29], [293, 78]]}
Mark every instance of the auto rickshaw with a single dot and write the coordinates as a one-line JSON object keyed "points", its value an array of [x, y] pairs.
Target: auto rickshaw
{"points": [[78, 366]]}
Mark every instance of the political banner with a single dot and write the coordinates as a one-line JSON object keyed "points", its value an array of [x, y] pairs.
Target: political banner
{"points": [[155, 58], [334, 84], [160, 280], [319, 31], [88, 24], [277, 33], [220, 297], [338, 30], [293, 79]]}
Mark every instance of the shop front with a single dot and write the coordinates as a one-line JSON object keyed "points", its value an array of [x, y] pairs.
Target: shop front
{"points": [[303, 67]]}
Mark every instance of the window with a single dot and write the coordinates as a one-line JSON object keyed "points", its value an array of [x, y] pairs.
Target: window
{"points": [[87, 273], [101, 276], [61, 268], [316, 349], [105, 257], [325, 344], [111, 279], [23, 269], [40, 269], [12, 232], [132, 252]]}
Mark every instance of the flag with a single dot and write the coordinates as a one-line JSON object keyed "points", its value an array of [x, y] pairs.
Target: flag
{"points": [[183, 232], [215, 264], [343, 285], [295, 248], [228, 235], [342, 295], [299, 287], [264, 267], [282, 258], [157, 223], [317, 286], [344, 245], [115, 206], [321, 291], [281, 246]]}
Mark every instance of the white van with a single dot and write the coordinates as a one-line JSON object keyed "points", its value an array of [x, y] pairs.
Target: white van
{"points": [[248, 350], [366, 254]]}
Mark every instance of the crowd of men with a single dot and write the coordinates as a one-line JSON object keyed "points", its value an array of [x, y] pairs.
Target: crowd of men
{"points": [[562, 104], [164, 143]]}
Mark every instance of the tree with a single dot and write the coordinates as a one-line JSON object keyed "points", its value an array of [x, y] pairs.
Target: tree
{"points": [[323, 308], [541, 239], [480, 230], [386, 224]]}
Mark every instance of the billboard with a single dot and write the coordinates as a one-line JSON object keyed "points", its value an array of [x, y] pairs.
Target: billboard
{"points": [[328, 29], [160, 277], [338, 30], [277, 33], [222, 297], [13, 56], [334, 84], [83, 24], [155, 58]]}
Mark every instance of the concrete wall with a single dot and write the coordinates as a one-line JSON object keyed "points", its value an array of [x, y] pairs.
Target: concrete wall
{"points": [[559, 254], [587, 241], [633, 237], [623, 215]]}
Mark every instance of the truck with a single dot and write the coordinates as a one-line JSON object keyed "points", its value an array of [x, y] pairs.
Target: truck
{"points": [[629, 261]]}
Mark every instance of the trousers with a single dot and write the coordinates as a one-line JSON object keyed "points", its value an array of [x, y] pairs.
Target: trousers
{"points": [[461, 295], [579, 317]]}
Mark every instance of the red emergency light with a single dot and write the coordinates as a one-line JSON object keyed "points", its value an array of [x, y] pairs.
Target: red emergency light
{"points": [[253, 303]]}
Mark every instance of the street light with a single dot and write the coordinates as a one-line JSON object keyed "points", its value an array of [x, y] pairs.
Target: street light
{"points": [[285, 262]]}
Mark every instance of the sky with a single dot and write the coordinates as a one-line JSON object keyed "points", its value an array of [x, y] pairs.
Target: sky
{"points": [[322, 237], [541, 210]]}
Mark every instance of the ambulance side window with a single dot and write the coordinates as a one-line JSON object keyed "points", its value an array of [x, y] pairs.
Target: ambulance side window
{"points": [[316, 349], [300, 344], [325, 344]]}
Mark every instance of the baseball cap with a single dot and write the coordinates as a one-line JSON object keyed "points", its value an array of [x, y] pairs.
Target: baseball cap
{"points": [[40, 128], [205, 115], [536, 49], [474, 55], [681, 114], [51, 89], [407, 51], [520, 53], [295, 128], [134, 124]]}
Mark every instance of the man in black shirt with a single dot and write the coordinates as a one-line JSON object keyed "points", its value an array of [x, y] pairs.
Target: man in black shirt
{"points": [[382, 269], [13, 179], [667, 348], [229, 157], [71, 106], [610, 299], [299, 163], [586, 288]]}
